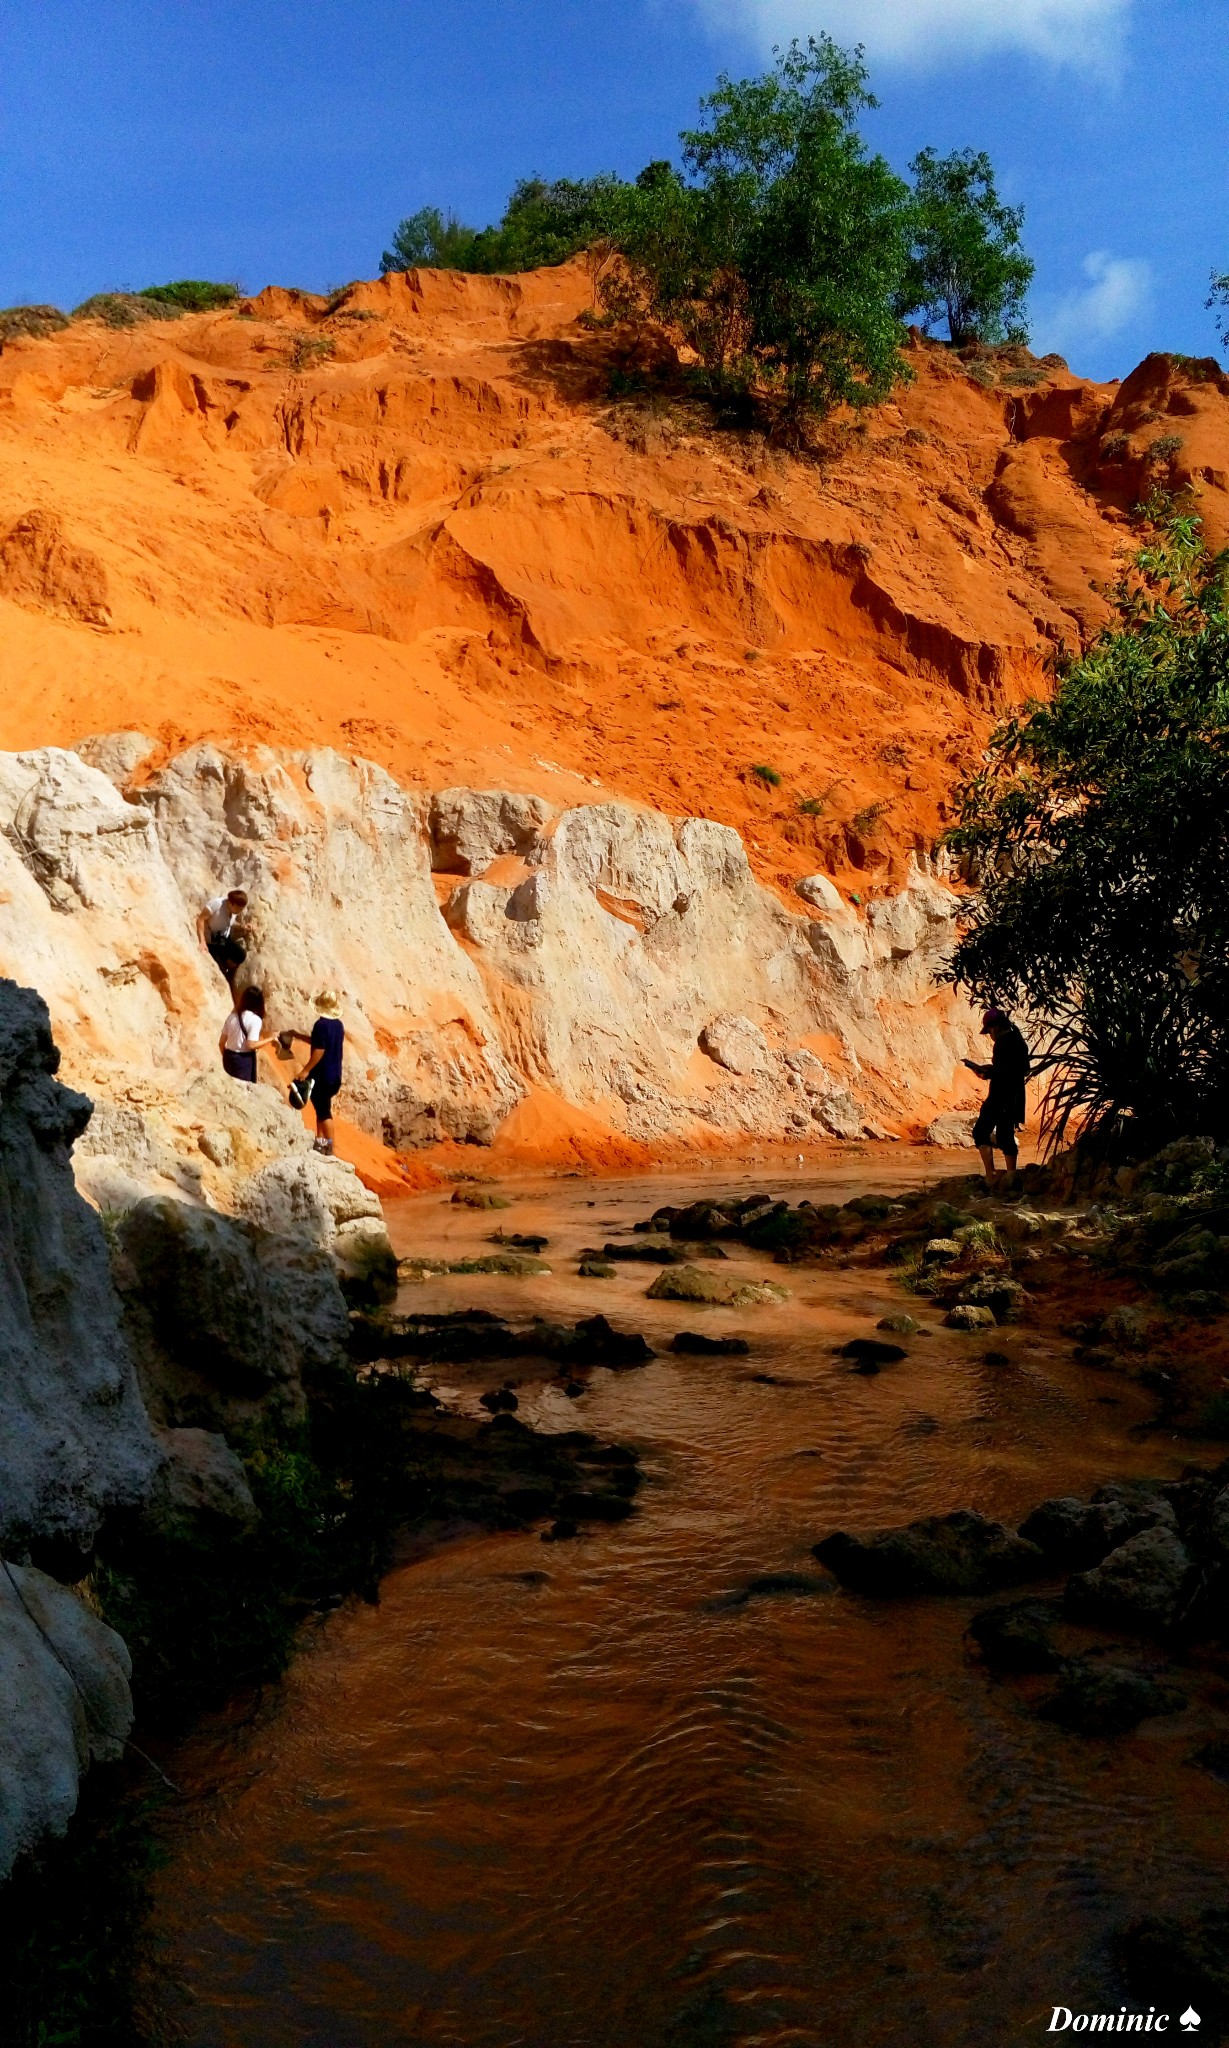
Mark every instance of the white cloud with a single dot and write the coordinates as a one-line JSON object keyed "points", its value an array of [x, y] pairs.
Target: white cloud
{"points": [[919, 32], [1118, 290]]}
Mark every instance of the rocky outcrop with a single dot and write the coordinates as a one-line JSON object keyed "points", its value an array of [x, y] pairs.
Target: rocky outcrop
{"points": [[75, 1443], [225, 1320], [74, 1437], [64, 1703], [623, 961]]}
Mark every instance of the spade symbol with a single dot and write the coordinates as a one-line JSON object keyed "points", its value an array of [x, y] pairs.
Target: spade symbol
{"points": [[1189, 2020]]}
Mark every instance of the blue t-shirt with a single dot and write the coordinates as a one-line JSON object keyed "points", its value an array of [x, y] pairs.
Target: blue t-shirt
{"points": [[328, 1036]]}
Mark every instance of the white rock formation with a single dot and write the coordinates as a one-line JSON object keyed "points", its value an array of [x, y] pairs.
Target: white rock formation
{"points": [[64, 1702], [595, 953], [74, 1437]]}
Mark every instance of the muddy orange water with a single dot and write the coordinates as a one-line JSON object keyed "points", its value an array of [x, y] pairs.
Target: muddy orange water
{"points": [[566, 1796]]}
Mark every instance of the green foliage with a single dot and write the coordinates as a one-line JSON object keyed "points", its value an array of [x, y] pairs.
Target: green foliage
{"points": [[30, 323], [1218, 302], [126, 309], [966, 263], [543, 223], [192, 294], [770, 777], [865, 821], [779, 260], [1099, 830], [306, 350], [204, 1615]]}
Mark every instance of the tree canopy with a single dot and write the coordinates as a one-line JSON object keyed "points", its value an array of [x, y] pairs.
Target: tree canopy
{"points": [[781, 250], [1099, 833], [966, 262]]}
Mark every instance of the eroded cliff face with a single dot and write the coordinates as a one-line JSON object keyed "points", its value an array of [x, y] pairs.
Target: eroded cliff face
{"points": [[412, 523], [491, 951], [75, 1443]]}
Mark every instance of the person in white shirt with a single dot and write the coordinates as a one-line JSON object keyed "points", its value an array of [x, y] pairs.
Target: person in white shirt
{"points": [[215, 928], [242, 1036]]}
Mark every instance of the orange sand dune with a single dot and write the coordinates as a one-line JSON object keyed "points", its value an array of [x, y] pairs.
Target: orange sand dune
{"points": [[411, 523]]}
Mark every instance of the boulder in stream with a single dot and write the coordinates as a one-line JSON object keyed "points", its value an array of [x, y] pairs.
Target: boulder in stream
{"points": [[723, 1290], [1076, 1534], [957, 1553], [1141, 1585], [1096, 1698], [1019, 1637]]}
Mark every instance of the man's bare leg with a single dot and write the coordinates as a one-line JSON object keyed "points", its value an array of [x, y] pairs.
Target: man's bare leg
{"points": [[987, 1160]]}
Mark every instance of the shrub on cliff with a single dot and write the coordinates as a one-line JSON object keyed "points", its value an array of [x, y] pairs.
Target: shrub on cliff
{"points": [[966, 263], [1099, 831], [779, 260], [543, 223]]}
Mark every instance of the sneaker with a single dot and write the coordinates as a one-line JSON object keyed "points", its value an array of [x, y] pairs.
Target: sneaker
{"points": [[323, 1146]]}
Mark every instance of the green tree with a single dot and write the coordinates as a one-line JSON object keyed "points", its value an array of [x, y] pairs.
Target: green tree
{"points": [[542, 224], [967, 265], [1099, 834], [1218, 301], [430, 240], [777, 257]]}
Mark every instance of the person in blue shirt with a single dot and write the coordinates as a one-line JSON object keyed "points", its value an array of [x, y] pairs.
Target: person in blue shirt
{"points": [[323, 1065]]}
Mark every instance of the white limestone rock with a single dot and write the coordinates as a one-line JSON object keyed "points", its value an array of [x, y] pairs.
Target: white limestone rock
{"points": [[821, 894], [65, 1701], [74, 1437], [470, 828], [735, 1043], [954, 1128]]}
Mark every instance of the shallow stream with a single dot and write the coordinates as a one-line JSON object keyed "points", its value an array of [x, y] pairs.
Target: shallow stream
{"points": [[582, 1795]]}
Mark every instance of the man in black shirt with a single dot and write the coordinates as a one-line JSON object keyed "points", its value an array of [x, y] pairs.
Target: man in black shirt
{"points": [[1003, 1109]]}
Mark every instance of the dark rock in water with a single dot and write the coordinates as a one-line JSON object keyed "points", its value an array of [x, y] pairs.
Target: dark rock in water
{"points": [[903, 1325], [1181, 1963], [1107, 1699], [1078, 1533], [709, 1347], [658, 1252], [529, 1503], [500, 1400], [869, 1353], [597, 1343], [768, 1585], [1141, 1585], [996, 1358], [594, 1507], [1213, 1758], [1017, 1638], [519, 1240], [596, 1269], [957, 1553], [560, 1532], [704, 1220]]}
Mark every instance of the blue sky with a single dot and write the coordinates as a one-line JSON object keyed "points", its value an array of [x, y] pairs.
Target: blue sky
{"points": [[264, 141]]}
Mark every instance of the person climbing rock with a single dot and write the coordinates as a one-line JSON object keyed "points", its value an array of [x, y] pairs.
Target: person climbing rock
{"points": [[242, 1037], [323, 1067], [1004, 1108], [215, 928]]}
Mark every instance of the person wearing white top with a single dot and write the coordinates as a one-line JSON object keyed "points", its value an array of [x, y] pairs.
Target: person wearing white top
{"points": [[242, 1038], [215, 928]]}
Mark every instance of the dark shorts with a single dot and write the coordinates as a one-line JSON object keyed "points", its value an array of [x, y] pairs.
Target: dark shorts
{"points": [[226, 952], [241, 1066], [322, 1100], [994, 1127]]}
